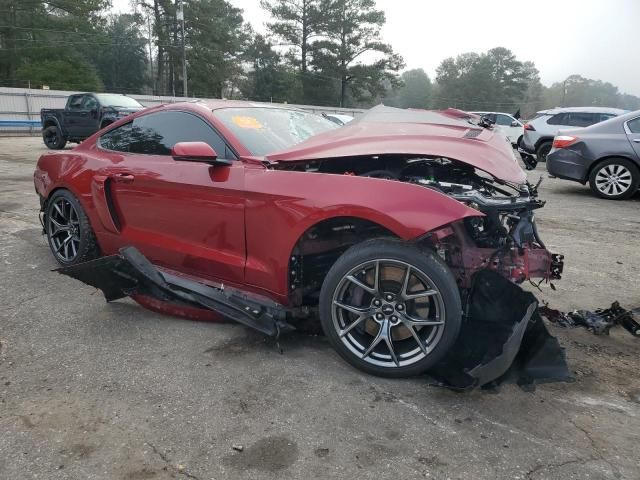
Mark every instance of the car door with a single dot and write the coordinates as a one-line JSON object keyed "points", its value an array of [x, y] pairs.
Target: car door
{"points": [[512, 127], [187, 216], [90, 116], [73, 116], [632, 129]]}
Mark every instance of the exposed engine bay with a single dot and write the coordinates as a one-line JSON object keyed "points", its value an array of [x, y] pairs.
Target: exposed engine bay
{"points": [[504, 239]]}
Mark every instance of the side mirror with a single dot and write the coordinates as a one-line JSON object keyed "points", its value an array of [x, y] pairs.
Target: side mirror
{"points": [[515, 123], [197, 152]]}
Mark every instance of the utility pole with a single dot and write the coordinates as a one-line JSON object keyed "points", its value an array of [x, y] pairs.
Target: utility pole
{"points": [[180, 17], [153, 77]]}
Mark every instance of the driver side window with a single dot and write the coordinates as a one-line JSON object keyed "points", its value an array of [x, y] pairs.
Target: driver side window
{"points": [[157, 133], [75, 103], [89, 103]]}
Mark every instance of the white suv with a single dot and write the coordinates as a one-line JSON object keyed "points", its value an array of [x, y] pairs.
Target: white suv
{"points": [[541, 129], [507, 123]]}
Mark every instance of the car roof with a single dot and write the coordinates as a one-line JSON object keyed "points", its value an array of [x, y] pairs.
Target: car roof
{"points": [[553, 111], [501, 113]]}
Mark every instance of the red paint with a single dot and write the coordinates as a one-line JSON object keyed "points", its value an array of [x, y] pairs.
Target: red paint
{"points": [[183, 311], [238, 224]]}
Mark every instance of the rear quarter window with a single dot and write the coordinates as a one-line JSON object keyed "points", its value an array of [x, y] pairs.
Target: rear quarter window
{"points": [[634, 125]]}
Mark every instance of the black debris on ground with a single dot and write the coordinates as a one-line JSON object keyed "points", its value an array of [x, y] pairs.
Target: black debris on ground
{"points": [[599, 321]]}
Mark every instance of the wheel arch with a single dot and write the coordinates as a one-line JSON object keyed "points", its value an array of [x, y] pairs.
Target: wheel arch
{"points": [[320, 245], [51, 122], [542, 140]]}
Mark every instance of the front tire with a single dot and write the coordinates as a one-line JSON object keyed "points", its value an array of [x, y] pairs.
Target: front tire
{"points": [[69, 233], [390, 309], [53, 138], [614, 179]]}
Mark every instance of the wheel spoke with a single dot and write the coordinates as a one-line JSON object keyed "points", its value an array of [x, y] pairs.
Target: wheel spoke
{"points": [[374, 343], [417, 322], [405, 282], [56, 224], [351, 326], [383, 335], [376, 274], [352, 309], [416, 337], [362, 285], [423, 294], [55, 205], [63, 243]]}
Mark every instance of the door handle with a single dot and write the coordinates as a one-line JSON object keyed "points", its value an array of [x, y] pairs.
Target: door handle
{"points": [[123, 178], [636, 140]]}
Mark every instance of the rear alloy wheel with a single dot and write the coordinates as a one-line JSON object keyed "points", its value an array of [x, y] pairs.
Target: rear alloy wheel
{"points": [[53, 138], [390, 309], [543, 151], [615, 179], [69, 233]]}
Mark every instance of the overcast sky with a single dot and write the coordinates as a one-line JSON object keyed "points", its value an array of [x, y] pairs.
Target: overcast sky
{"points": [[598, 39]]}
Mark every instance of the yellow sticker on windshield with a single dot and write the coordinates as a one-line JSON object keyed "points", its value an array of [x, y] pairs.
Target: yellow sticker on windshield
{"points": [[246, 122]]}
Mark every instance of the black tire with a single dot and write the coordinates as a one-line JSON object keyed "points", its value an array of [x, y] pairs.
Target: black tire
{"points": [[71, 241], [624, 176], [427, 271], [542, 151], [519, 142], [53, 138]]}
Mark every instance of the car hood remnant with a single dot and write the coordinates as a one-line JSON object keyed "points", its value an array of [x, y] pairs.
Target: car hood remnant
{"points": [[502, 337], [393, 131], [599, 322]]}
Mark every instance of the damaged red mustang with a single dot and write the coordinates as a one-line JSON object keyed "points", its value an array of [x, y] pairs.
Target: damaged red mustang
{"points": [[405, 232]]}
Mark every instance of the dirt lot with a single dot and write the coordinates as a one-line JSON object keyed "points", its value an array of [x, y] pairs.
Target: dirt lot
{"points": [[94, 390]]}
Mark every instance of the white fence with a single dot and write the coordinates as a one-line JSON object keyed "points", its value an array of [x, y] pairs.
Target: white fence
{"points": [[20, 107]]}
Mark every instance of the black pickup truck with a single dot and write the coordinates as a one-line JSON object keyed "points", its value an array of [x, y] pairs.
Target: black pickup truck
{"points": [[84, 115]]}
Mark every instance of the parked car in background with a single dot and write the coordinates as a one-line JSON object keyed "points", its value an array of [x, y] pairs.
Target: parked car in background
{"points": [[337, 118], [83, 115], [540, 131], [512, 128], [607, 155]]}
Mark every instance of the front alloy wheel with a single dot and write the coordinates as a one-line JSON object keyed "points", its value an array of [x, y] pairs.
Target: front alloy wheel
{"points": [[393, 314]]}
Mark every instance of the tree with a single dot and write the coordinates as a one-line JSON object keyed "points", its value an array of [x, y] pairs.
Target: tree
{"points": [[269, 78], [122, 64], [352, 33], [297, 23], [495, 80], [414, 92], [216, 40], [63, 74], [37, 31]]}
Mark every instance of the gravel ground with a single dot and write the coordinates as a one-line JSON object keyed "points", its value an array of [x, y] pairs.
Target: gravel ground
{"points": [[92, 390]]}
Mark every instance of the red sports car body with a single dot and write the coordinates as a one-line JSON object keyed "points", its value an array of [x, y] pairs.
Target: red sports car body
{"points": [[267, 199]]}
